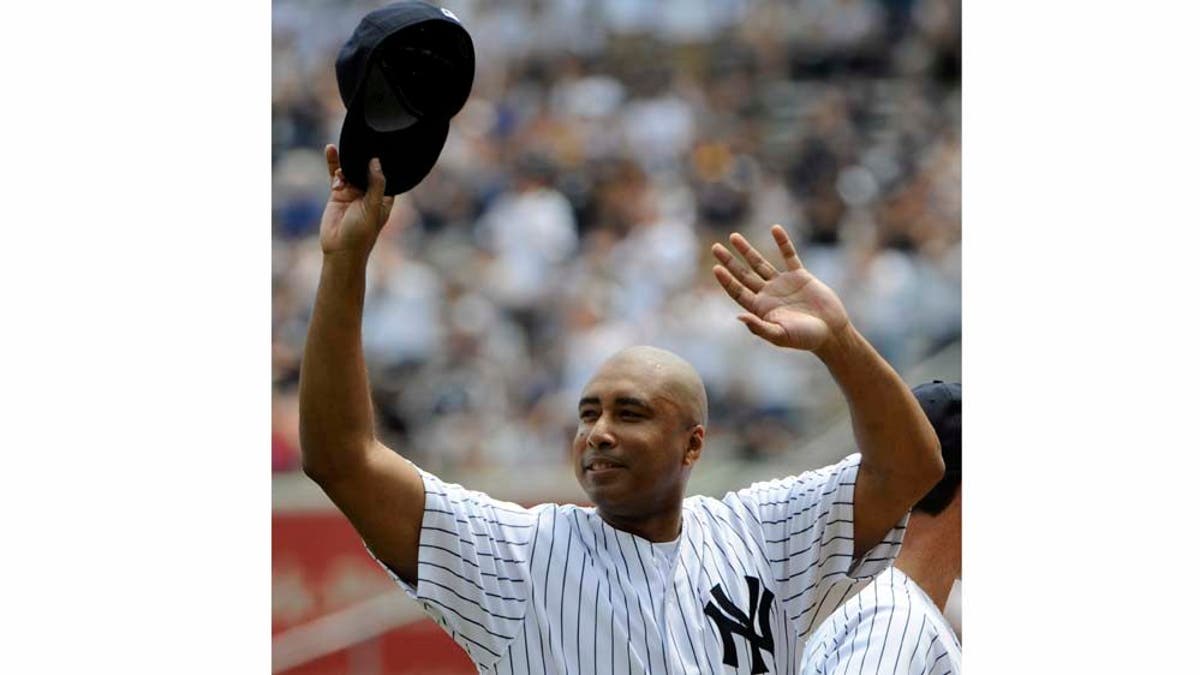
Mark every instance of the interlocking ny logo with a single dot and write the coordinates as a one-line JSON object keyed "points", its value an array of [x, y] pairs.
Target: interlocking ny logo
{"points": [[734, 620]]}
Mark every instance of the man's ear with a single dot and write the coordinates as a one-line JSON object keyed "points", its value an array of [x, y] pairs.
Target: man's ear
{"points": [[695, 446]]}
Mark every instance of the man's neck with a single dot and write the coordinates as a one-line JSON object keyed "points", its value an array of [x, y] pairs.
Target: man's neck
{"points": [[658, 528], [932, 555]]}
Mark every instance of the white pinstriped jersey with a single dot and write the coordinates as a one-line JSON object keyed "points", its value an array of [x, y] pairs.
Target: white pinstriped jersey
{"points": [[891, 626], [554, 589]]}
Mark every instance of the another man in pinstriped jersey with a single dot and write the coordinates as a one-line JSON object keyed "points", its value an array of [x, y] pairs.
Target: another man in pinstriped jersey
{"points": [[646, 581], [895, 625]]}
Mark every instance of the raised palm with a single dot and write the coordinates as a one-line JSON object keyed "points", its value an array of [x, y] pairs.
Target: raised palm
{"points": [[353, 218], [790, 308]]}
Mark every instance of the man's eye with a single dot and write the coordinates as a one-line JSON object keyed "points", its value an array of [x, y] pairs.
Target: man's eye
{"points": [[587, 415], [630, 415]]}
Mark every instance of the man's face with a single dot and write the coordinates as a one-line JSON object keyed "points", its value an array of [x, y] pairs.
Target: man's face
{"points": [[635, 443]]}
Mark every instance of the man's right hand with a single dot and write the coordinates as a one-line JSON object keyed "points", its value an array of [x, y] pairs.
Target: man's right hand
{"points": [[381, 494], [352, 219]]}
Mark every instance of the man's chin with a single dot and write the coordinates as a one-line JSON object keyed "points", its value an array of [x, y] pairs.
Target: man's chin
{"points": [[607, 498]]}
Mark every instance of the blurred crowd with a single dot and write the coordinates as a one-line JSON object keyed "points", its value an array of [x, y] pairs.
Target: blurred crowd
{"points": [[606, 145]]}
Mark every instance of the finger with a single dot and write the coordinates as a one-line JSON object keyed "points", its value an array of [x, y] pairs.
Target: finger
{"points": [[331, 160], [757, 262], [740, 272], [375, 185], [339, 181], [784, 242], [770, 332], [734, 288]]}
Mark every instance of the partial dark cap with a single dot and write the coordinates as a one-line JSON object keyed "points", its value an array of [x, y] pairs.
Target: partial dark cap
{"points": [[942, 403], [405, 71]]}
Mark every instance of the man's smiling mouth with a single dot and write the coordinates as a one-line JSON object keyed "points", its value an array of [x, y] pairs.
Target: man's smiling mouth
{"points": [[603, 465]]}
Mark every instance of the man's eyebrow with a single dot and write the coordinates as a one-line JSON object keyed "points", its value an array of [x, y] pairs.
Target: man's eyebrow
{"points": [[633, 401], [620, 400]]}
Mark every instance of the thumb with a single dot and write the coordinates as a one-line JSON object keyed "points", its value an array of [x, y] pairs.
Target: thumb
{"points": [[375, 185], [770, 332]]}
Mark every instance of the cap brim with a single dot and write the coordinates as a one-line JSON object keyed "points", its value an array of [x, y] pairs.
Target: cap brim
{"points": [[407, 155]]}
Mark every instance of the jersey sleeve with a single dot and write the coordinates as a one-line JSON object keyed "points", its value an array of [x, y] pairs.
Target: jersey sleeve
{"points": [[472, 567], [807, 525], [876, 639]]}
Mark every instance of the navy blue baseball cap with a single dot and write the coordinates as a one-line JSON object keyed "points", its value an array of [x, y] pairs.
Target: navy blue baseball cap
{"points": [[405, 71], [942, 403]]}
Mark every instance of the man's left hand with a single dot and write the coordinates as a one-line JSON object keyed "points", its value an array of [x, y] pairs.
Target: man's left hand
{"points": [[790, 308]]}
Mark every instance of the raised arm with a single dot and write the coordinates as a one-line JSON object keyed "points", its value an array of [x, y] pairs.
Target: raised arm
{"points": [[793, 309], [381, 493]]}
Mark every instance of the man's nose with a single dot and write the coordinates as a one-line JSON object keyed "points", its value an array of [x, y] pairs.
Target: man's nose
{"points": [[601, 437]]}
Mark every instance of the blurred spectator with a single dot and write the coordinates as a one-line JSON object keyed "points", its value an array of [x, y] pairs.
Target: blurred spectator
{"points": [[606, 145], [530, 231]]}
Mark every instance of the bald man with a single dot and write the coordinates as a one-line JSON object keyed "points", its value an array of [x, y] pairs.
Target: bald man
{"points": [[645, 581]]}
